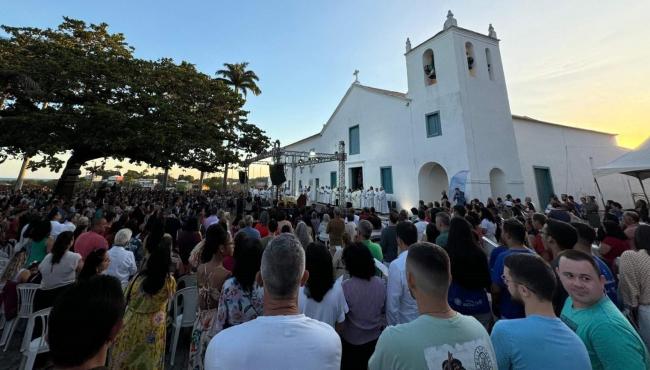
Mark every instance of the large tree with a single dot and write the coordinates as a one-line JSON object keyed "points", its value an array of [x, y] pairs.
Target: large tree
{"points": [[96, 101], [242, 80]]}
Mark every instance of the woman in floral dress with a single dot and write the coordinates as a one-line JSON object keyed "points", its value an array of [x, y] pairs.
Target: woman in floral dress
{"points": [[210, 277], [241, 298], [141, 342]]}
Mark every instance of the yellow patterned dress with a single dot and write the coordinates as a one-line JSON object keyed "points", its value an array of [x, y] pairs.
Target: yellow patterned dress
{"points": [[140, 345]]}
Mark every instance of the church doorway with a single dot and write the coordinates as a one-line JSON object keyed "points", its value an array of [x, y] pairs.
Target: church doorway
{"points": [[498, 183], [432, 180], [356, 178]]}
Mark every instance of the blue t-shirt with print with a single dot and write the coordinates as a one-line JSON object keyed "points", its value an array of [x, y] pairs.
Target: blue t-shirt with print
{"points": [[508, 308], [468, 301]]}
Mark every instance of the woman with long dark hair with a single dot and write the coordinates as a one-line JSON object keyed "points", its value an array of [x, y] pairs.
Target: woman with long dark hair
{"points": [[470, 274], [141, 342], [241, 299], [321, 299], [188, 237], [365, 295], [95, 264], [613, 242], [211, 275]]}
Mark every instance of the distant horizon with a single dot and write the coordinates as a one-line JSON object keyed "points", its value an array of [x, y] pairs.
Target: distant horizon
{"points": [[565, 62]]}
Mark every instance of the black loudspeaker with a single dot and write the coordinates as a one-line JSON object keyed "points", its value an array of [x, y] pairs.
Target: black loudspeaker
{"points": [[277, 174], [242, 177]]}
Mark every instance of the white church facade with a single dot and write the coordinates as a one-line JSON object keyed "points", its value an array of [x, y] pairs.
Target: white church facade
{"points": [[454, 128]]}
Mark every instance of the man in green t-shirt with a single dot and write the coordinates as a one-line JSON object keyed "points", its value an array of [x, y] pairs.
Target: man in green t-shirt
{"points": [[612, 343], [439, 338], [365, 230]]}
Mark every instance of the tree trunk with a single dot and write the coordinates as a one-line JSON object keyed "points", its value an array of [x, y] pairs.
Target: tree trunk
{"points": [[201, 181], [225, 176], [165, 177], [70, 176], [21, 174]]}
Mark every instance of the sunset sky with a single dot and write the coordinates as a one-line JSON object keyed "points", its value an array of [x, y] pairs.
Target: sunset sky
{"points": [[579, 63]]}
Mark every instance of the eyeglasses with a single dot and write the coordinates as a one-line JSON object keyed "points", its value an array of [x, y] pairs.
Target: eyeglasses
{"points": [[508, 281]]}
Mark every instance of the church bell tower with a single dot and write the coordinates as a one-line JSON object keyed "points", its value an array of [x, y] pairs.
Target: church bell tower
{"points": [[461, 112]]}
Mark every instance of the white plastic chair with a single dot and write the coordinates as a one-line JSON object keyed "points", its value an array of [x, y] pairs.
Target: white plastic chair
{"points": [[26, 294], [30, 348], [187, 281], [183, 314]]}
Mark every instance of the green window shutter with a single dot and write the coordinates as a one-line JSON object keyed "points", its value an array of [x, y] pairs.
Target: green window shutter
{"points": [[333, 179], [354, 140], [433, 124], [387, 179]]}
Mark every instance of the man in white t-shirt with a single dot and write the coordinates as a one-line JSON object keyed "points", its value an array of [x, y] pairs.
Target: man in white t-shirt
{"points": [[400, 304], [282, 338], [122, 265]]}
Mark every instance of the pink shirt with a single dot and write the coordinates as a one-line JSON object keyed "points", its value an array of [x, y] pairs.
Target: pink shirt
{"points": [[88, 242]]}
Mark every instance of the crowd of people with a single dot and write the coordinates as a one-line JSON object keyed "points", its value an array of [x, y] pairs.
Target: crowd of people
{"points": [[495, 285]]}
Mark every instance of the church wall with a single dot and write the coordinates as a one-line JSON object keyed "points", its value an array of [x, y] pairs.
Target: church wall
{"points": [[566, 151], [385, 140], [479, 133]]}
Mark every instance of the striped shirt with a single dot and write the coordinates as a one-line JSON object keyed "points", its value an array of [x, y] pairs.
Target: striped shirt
{"points": [[635, 277]]}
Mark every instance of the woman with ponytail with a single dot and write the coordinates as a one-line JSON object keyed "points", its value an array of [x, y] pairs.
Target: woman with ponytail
{"points": [[211, 274], [60, 265], [58, 270]]}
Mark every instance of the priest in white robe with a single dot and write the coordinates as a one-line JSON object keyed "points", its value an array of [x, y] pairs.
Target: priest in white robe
{"points": [[348, 197], [377, 200], [370, 198], [383, 202], [356, 199]]}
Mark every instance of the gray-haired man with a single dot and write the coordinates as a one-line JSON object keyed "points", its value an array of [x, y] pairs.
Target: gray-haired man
{"points": [[282, 338]]}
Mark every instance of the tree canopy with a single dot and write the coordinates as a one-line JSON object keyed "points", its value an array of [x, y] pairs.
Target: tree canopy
{"points": [[79, 89]]}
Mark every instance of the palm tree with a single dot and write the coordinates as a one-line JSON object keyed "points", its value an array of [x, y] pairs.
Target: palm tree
{"points": [[242, 81]]}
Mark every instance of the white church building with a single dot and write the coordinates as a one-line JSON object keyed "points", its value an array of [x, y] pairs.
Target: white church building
{"points": [[453, 127]]}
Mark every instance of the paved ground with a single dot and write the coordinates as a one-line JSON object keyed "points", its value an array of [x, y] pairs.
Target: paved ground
{"points": [[10, 360]]}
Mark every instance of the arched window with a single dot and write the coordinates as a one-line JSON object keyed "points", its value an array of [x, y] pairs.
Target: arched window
{"points": [[488, 59], [429, 66], [469, 52]]}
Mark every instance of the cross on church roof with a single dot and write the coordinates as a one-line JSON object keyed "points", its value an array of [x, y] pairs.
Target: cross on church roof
{"points": [[356, 76]]}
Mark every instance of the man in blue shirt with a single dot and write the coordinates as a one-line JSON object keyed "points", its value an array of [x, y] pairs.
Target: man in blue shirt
{"points": [[514, 234], [540, 339], [586, 237]]}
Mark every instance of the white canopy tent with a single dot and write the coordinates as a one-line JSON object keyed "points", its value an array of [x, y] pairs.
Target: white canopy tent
{"points": [[635, 163]]}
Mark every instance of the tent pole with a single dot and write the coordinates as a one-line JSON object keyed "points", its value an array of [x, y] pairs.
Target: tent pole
{"points": [[631, 192], [599, 192], [642, 188], [591, 164]]}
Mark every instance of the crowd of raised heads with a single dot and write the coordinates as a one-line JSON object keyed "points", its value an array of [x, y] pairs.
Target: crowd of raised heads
{"points": [[500, 284]]}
